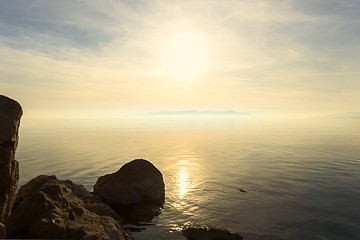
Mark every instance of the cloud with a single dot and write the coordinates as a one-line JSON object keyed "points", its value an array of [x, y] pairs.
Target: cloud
{"points": [[348, 115], [44, 25], [333, 30], [273, 55], [344, 9]]}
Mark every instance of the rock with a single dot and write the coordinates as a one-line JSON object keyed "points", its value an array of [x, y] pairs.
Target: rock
{"points": [[136, 190], [47, 208], [2, 231], [31, 187], [10, 115], [138, 181], [91, 202], [210, 233]]}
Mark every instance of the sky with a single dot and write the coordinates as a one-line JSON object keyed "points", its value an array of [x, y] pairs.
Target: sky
{"points": [[118, 57]]}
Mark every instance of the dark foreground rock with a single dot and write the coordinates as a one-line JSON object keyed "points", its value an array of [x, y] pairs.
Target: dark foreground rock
{"points": [[209, 233], [136, 190], [2, 231], [10, 115], [92, 202], [47, 208], [138, 181]]}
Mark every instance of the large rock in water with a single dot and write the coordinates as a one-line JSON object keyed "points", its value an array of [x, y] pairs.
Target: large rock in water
{"points": [[138, 186], [46, 208], [10, 115]]}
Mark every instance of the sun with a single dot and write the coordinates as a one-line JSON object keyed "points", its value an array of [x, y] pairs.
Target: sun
{"points": [[185, 56]]}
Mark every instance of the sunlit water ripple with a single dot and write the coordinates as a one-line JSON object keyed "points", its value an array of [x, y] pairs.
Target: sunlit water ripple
{"points": [[300, 184]]}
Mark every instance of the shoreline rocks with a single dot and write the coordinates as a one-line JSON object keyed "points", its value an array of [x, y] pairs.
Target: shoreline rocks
{"points": [[10, 115], [92, 202], [46, 208]]}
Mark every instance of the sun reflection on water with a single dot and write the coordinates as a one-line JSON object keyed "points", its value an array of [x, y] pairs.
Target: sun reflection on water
{"points": [[183, 182]]}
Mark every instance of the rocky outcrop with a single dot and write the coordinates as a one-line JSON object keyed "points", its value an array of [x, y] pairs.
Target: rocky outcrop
{"points": [[2, 231], [92, 202], [134, 190], [209, 233], [10, 115], [48, 208]]}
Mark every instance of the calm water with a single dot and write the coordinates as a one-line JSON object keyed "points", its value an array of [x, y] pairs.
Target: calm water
{"points": [[302, 182]]}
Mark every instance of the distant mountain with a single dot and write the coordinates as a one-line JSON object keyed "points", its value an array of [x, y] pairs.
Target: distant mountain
{"points": [[196, 112]]}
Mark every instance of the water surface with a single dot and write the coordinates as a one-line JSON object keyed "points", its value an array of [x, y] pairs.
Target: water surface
{"points": [[301, 181]]}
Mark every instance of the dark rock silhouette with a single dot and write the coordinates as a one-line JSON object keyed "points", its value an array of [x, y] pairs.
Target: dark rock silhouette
{"points": [[138, 181], [92, 202], [209, 233], [10, 115], [136, 191], [2, 231], [47, 208]]}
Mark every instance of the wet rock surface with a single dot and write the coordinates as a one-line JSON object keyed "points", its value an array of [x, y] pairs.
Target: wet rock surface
{"points": [[10, 115], [47, 208]]}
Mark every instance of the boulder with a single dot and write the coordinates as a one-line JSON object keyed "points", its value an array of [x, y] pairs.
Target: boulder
{"points": [[47, 208], [209, 233], [10, 115], [136, 185], [2, 231], [138, 181]]}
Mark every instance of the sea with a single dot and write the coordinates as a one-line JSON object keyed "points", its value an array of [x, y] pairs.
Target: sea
{"points": [[264, 179]]}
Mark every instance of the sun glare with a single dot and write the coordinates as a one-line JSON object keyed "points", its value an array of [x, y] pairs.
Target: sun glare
{"points": [[183, 182], [185, 56]]}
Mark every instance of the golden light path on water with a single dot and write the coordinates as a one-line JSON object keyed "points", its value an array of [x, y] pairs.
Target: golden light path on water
{"points": [[183, 185], [183, 182]]}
